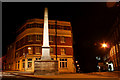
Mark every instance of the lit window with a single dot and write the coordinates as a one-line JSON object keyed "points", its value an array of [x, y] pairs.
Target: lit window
{"points": [[51, 38], [62, 39], [63, 51], [30, 50], [29, 37], [38, 37], [51, 50], [114, 50], [63, 63], [37, 50]]}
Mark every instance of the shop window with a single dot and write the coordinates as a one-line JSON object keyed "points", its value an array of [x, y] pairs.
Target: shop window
{"points": [[23, 63], [63, 63], [29, 63], [63, 51], [16, 65]]}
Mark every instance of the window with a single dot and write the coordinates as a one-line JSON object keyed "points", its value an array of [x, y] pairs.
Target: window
{"points": [[114, 52], [23, 63], [37, 58], [62, 27], [29, 63], [62, 39], [17, 54], [38, 37], [63, 51], [18, 64], [10, 46], [37, 50], [30, 50], [24, 50], [51, 38], [51, 26], [52, 58], [29, 37], [63, 63], [51, 50]]}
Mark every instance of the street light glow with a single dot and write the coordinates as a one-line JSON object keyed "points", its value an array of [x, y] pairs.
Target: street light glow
{"points": [[104, 45]]}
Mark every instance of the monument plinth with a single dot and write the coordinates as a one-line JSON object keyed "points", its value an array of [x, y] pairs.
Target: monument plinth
{"points": [[45, 66]]}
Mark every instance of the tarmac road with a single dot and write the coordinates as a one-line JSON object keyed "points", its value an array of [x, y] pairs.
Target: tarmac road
{"points": [[80, 76]]}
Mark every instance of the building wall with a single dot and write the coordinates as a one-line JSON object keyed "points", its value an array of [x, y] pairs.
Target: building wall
{"points": [[27, 37], [114, 41]]}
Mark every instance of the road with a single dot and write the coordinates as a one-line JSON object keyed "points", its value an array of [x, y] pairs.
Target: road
{"points": [[75, 76]]}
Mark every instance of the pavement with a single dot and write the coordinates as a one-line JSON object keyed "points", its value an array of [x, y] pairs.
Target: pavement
{"points": [[13, 75]]}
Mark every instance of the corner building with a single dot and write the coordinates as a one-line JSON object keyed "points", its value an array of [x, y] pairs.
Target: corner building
{"points": [[28, 45]]}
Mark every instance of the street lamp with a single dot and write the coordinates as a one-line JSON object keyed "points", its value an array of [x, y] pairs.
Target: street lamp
{"points": [[104, 45], [29, 48], [76, 61]]}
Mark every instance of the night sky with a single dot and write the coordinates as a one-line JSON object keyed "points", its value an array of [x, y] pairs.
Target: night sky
{"points": [[91, 23]]}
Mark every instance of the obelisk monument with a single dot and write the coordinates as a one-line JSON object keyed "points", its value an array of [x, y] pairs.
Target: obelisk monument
{"points": [[45, 66], [45, 47]]}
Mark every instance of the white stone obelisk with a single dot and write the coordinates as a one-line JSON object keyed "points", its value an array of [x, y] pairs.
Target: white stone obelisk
{"points": [[45, 47]]}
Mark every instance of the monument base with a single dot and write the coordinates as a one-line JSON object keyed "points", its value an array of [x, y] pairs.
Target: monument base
{"points": [[46, 67]]}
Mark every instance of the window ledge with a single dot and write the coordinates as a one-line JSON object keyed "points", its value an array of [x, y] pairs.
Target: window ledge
{"points": [[63, 68], [38, 40]]}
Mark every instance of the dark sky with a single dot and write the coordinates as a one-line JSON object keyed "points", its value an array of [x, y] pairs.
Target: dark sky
{"points": [[91, 23]]}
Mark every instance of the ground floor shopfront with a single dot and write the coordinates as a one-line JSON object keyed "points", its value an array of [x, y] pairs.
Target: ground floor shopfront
{"points": [[65, 63]]}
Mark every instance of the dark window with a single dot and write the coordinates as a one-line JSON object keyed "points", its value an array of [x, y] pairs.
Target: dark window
{"points": [[29, 59], [29, 37]]}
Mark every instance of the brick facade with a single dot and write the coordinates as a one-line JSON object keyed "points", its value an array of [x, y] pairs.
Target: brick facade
{"points": [[30, 35]]}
